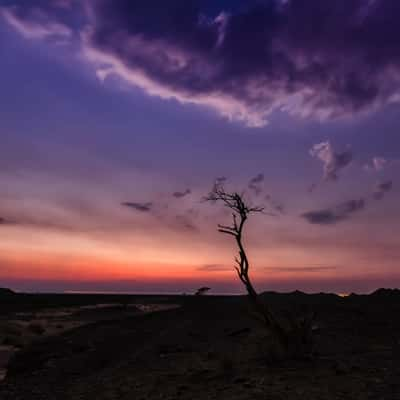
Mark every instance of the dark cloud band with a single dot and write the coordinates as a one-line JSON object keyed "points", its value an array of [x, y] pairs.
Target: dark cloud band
{"points": [[143, 207], [179, 195], [307, 57], [330, 216], [382, 188]]}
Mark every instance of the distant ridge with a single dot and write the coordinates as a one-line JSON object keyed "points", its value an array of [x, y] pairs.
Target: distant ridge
{"points": [[6, 292], [299, 293], [379, 294], [386, 292], [299, 297]]}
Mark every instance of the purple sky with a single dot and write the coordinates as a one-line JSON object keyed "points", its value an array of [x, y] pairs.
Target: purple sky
{"points": [[117, 117]]}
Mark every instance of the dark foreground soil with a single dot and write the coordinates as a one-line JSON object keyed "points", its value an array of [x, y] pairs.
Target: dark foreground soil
{"points": [[212, 348]]}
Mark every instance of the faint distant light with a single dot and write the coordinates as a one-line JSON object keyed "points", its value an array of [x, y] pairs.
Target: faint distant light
{"points": [[343, 294]]}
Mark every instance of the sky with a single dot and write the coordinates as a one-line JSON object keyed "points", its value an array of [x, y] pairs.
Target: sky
{"points": [[116, 119]]}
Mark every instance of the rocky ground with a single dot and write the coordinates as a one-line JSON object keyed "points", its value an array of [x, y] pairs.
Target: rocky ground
{"points": [[212, 347]]}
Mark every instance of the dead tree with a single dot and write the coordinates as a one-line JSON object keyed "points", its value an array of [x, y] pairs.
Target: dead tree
{"points": [[292, 336]]}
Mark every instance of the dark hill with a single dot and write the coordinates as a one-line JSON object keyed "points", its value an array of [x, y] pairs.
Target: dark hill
{"points": [[385, 293], [6, 292]]}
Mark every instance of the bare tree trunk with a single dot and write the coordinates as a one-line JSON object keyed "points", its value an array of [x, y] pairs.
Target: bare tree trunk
{"points": [[260, 307]]}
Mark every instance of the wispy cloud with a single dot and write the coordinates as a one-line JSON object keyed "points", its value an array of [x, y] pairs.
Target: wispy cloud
{"points": [[276, 205], [376, 164], [255, 184], [179, 195], [319, 268], [220, 180], [184, 221], [381, 189], [379, 164], [34, 23], [331, 216], [142, 207], [333, 161], [214, 268]]}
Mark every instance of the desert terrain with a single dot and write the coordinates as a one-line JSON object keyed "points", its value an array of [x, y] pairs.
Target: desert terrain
{"points": [[197, 347]]}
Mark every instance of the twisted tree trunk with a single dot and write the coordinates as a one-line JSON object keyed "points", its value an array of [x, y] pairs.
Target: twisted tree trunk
{"points": [[242, 269], [293, 339]]}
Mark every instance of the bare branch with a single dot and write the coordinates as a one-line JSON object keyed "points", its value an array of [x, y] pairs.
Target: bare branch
{"points": [[255, 209], [227, 232], [234, 201], [228, 228]]}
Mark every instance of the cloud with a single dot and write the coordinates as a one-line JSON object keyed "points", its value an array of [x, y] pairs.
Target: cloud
{"points": [[330, 216], [377, 164], [214, 268], [309, 58], [66, 4], [220, 180], [255, 184], [276, 205], [323, 217], [185, 222], [301, 269], [142, 207], [247, 63], [382, 188], [257, 179], [332, 161], [193, 212], [34, 23], [8, 221], [179, 195]]}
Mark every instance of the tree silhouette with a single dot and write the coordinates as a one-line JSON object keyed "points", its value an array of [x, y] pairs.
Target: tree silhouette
{"points": [[202, 291], [295, 335]]}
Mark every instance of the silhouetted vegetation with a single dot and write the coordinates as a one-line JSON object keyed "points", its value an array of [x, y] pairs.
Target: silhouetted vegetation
{"points": [[202, 291], [291, 336]]}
